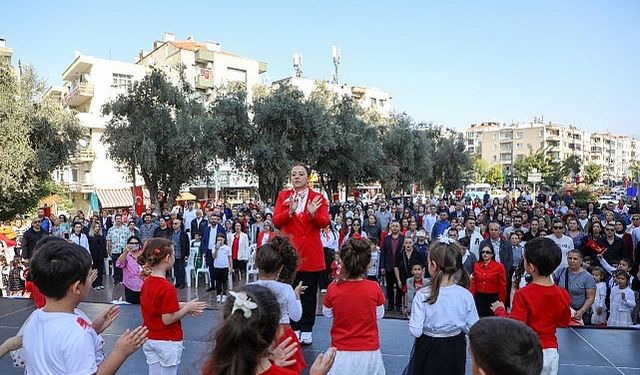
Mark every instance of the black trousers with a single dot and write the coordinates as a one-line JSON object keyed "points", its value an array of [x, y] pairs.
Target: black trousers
{"points": [[394, 290], [131, 296], [117, 272], [179, 271], [99, 266], [309, 300], [221, 280]]}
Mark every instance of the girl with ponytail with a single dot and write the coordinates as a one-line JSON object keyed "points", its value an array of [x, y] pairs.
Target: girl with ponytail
{"points": [[161, 311], [442, 314], [244, 340]]}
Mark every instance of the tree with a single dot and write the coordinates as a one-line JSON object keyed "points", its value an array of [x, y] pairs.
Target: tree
{"points": [[156, 129], [592, 173], [289, 128], [407, 155], [540, 161], [571, 166], [452, 165], [355, 155], [494, 175], [38, 136]]}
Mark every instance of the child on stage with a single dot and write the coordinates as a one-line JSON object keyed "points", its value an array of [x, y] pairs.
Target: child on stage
{"points": [[355, 304], [442, 314]]}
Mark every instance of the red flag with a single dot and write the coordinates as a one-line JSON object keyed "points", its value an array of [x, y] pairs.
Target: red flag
{"points": [[139, 200]]}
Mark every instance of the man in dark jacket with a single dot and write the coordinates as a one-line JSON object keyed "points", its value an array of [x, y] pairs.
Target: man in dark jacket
{"points": [[392, 245], [208, 242], [31, 237], [181, 247], [198, 225]]}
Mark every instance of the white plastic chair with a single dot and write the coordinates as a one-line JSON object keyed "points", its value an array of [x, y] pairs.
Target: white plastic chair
{"points": [[108, 267], [190, 267], [251, 264], [203, 269]]}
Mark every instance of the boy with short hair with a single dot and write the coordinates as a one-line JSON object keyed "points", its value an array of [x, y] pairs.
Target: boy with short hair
{"points": [[500, 346], [541, 305], [413, 284], [59, 338]]}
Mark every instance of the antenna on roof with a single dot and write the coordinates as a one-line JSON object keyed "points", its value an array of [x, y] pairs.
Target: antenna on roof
{"points": [[297, 65], [337, 56]]}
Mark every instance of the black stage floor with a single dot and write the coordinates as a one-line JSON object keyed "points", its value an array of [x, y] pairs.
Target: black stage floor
{"points": [[583, 351]]}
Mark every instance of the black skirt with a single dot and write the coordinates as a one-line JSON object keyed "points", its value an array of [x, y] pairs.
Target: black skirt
{"points": [[483, 303], [438, 356]]}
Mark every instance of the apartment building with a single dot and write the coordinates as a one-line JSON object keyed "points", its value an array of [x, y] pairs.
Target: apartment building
{"points": [[367, 97], [88, 83], [206, 64], [506, 143]]}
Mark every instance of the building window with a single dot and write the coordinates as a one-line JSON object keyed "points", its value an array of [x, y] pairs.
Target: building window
{"points": [[374, 102], [236, 75], [382, 103], [124, 81], [519, 135], [495, 158], [74, 174], [518, 146]]}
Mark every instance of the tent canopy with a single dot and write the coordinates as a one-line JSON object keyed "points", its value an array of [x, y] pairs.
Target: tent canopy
{"points": [[186, 196]]}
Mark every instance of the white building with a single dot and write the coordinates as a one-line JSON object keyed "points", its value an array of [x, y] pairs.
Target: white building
{"points": [[89, 83], [367, 97]]}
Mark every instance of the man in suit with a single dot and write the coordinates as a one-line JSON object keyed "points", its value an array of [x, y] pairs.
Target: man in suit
{"points": [[503, 253], [198, 225], [181, 247], [391, 245], [208, 243], [301, 213]]}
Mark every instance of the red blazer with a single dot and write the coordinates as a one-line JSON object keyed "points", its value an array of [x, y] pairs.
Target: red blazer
{"points": [[261, 236], [303, 229]]}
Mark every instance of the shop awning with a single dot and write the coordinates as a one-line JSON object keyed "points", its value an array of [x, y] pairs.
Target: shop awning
{"points": [[119, 198], [186, 196]]}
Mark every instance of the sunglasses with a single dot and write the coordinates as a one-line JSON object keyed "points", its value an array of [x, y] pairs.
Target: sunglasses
{"points": [[609, 229], [133, 243], [486, 252]]}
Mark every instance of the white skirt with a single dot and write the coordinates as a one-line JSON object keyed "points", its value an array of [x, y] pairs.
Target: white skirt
{"points": [[354, 363], [619, 319], [167, 353]]}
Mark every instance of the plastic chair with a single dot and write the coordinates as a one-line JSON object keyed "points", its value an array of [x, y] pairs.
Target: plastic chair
{"points": [[108, 266], [190, 267], [204, 269], [251, 264]]}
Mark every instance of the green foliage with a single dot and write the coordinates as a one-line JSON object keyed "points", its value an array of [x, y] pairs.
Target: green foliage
{"points": [[494, 175], [38, 136], [583, 195], [592, 173], [540, 160], [157, 128], [571, 166]]}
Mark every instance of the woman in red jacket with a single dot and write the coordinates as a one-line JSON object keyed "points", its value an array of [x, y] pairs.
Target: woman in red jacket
{"points": [[489, 281]]}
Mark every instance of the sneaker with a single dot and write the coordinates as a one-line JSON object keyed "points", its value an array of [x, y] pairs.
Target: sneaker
{"points": [[323, 290], [218, 298], [306, 338], [223, 298], [297, 334]]}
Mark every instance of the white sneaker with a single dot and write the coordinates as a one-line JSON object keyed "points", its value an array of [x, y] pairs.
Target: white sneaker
{"points": [[218, 298], [306, 338], [223, 298], [297, 334]]}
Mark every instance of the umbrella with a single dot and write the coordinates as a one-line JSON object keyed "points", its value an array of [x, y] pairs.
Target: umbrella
{"points": [[186, 196]]}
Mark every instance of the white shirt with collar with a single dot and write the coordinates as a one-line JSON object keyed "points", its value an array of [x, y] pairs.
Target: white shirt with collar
{"points": [[301, 197]]}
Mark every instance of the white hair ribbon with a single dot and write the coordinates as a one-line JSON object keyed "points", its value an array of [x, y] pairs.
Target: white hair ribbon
{"points": [[242, 302]]}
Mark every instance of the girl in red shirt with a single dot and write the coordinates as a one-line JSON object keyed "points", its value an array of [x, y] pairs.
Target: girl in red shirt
{"points": [[242, 343], [355, 304], [161, 311]]}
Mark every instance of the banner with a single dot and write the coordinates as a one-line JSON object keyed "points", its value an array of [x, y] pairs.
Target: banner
{"points": [[137, 192]]}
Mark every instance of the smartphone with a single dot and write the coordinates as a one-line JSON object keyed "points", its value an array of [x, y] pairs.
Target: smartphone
{"points": [[66, 236]]}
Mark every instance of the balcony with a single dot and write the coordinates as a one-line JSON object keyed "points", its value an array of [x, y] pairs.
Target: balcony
{"points": [[72, 186], [204, 56], [79, 94], [205, 79], [262, 67], [86, 155]]}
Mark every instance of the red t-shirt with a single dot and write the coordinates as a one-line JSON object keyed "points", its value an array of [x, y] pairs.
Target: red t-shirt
{"points": [[235, 246], [157, 297], [355, 326], [543, 308], [275, 370]]}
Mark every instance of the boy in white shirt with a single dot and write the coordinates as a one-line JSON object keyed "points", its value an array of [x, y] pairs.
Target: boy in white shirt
{"points": [[59, 338]]}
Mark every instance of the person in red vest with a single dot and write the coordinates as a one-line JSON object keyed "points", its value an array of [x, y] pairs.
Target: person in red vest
{"points": [[301, 213]]}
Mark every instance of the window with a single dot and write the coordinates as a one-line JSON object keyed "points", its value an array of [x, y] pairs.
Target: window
{"points": [[124, 81], [518, 146], [519, 135], [382, 103], [236, 75], [495, 157], [374, 102], [74, 174]]}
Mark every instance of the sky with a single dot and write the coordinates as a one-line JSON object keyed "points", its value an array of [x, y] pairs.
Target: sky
{"points": [[453, 63]]}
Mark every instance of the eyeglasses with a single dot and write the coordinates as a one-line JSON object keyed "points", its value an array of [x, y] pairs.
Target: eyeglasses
{"points": [[558, 227], [133, 243], [636, 218], [609, 229], [486, 252]]}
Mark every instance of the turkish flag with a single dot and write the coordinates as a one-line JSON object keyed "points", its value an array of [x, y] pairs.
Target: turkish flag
{"points": [[137, 191]]}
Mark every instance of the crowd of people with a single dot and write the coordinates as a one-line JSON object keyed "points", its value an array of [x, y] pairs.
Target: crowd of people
{"points": [[447, 264]]}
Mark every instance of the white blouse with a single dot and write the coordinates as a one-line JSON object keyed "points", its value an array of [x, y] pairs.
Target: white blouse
{"points": [[454, 311]]}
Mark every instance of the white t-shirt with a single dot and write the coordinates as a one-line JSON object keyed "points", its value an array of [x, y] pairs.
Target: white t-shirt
{"points": [[565, 243], [61, 343], [290, 306], [222, 258]]}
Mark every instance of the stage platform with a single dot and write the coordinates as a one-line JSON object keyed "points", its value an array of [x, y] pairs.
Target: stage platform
{"points": [[583, 351]]}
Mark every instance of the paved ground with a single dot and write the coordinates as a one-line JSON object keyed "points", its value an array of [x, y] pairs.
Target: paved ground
{"points": [[582, 351]]}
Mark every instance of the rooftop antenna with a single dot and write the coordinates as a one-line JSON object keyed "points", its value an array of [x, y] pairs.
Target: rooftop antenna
{"points": [[337, 55], [297, 65]]}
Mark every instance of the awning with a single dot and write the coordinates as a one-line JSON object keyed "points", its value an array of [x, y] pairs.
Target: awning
{"points": [[119, 198], [186, 196]]}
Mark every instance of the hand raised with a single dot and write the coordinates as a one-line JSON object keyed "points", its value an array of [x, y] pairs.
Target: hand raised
{"points": [[313, 206], [130, 341], [103, 320]]}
